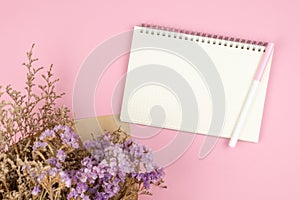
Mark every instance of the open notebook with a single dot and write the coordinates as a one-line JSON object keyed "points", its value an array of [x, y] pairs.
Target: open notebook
{"points": [[187, 81]]}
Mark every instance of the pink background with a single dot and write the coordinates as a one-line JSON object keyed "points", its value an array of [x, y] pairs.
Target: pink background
{"points": [[66, 32]]}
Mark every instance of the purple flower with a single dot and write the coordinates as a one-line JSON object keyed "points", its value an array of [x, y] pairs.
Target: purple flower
{"points": [[61, 155], [65, 179], [149, 177], [81, 188], [81, 176], [54, 162], [58, 127], [84, 197], [32, 174], [52, 171], [38, 145], [107, 167], [41, 177], [68, 137], [73, 194], [35, 190], [87, 162], [47, 134]]}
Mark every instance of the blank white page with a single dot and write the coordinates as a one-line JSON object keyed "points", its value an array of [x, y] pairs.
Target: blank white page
{"points": [[234, 64]]}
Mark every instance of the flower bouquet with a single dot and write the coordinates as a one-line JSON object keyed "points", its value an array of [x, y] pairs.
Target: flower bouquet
{"points": [[41, 157]]}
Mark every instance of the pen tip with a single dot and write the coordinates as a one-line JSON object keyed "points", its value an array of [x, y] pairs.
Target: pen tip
{"points": [[232, 144]]}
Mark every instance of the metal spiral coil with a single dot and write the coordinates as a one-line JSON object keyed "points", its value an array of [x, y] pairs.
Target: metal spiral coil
{"points": [[214, 39]]}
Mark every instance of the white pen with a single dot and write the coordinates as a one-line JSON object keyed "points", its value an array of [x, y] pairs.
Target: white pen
{"points": [[251, 94]]}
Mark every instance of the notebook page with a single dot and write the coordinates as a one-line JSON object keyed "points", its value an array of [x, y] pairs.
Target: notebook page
{"points": [[235, 66]]}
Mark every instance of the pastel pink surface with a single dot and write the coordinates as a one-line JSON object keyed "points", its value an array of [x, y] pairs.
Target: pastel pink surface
{"points": [[66, 32]]}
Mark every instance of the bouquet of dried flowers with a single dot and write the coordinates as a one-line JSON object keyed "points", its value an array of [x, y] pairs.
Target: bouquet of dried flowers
{"points": [[41, 157]]}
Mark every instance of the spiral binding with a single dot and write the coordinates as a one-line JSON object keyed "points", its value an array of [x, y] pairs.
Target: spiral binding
{"points": [[204, 37]]}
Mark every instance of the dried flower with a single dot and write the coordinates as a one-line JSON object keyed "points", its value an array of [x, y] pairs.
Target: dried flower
{"points": [[68, 137], [47, 135], [61, 155], [35, 190], [41, 157], [38, 145]]}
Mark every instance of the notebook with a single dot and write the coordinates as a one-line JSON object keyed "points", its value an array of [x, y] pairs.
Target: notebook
{"points": [[193, 82]]}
